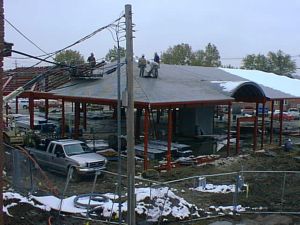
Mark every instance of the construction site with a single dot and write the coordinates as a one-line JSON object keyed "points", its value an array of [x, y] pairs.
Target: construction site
{"points": [[121, 143]]}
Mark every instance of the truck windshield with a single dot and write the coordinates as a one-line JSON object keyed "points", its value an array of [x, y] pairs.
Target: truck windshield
{"points": [[75, 149]]}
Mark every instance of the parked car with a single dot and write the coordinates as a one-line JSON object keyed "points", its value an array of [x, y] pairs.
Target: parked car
{"points": [[248, 110], [294, 112], [23, 103], [260, 110], [285, 116]]}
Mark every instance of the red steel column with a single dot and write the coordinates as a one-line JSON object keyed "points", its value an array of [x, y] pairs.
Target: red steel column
{"points": [[6, 112], [146, 135], [271, 125], [138, 123], [228, 128], [84, 115], [237, 149], [17, 105], [280, 122], [63, 118], [263, 125], [46, 108], [169, 139], [77, 120], [255, 134], [31, 111], [174, 121]]}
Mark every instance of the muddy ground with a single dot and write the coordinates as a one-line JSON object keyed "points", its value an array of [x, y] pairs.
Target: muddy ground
{"points": [[266, 189]]}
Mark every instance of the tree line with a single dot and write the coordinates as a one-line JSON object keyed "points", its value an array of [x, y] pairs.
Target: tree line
{"points": [[182, 54]]}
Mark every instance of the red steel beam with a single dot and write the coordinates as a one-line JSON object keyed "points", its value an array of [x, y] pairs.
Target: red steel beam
{"points": [[239, 121], [31, 112], [17, 105], [77, 120], [238, 130], [63, 118], [263, 125], [146, 136], [46, 108], [272, 120], [84, 115], [6, 112], [169, 139], [228, 128], [280, 122]]}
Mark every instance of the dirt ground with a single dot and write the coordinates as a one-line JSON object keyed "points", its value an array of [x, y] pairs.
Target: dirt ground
{"points": [[266, 191]]}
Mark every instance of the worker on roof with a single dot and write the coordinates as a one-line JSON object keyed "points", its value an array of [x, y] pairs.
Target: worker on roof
{"points": [[142, 65], [154, 66], [156, 58], [92, 61]]}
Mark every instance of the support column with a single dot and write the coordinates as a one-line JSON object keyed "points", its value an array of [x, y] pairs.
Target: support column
{"points": [[46, 108], [272, 120], [84, 115], [77, 120], [228, 128], [6, 112], [146, 135], [63, 118], [263, 125], [237, 148], [169, 139], [17, 105], [138, 123], [256, 123], [31, 111], [255, 134], [280, 122], [174, 121], [158, 112]]}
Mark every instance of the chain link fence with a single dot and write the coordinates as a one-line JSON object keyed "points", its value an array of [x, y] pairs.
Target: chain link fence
{"points": [[202, 196]]}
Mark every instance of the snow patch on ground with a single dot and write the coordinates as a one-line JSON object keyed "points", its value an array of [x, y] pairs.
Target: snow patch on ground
{"points": [[211, 188], [21, 199]]}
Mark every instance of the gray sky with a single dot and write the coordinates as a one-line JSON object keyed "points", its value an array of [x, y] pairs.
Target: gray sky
{"points": [[236, 27]]}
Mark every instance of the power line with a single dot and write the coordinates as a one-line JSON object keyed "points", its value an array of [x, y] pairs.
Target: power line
{"points": [[23, 35]]}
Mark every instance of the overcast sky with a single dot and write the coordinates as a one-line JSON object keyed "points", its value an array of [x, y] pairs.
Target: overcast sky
{"points": [[236, 27]]}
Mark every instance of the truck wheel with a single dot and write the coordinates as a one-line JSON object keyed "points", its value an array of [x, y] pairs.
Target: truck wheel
{"points": [[75, 176]]}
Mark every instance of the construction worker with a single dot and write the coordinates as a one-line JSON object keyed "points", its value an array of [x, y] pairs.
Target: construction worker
{"points": [[154, 66], [92, 61], [142, 65]]}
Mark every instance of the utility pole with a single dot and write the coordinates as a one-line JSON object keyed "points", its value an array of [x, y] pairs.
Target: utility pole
{"points": [[130, 118], [1, 111]]}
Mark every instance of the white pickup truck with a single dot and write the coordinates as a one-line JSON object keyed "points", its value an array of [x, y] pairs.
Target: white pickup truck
{"points": [[60, 155]]}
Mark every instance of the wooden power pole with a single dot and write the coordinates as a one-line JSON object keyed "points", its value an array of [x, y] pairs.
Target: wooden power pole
{"points": [[130, 118]]}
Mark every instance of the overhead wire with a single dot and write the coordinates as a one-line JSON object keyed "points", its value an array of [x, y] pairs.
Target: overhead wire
{"points": [[23, 35], [49, 55]]}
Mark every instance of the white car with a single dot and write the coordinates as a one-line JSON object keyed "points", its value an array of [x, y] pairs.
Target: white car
{"points": [[23, 103], [294, 112]]}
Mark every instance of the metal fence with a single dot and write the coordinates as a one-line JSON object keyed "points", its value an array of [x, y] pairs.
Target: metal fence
{"points": [[211, 195]]}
